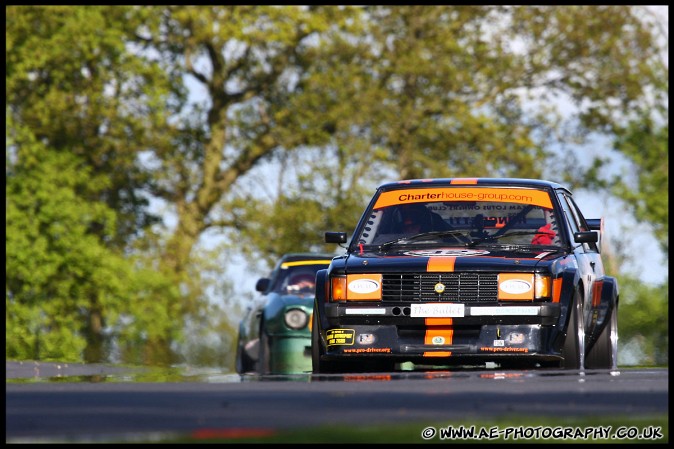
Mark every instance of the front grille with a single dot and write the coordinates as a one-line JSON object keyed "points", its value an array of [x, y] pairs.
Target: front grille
{"points": [[463, 287]]}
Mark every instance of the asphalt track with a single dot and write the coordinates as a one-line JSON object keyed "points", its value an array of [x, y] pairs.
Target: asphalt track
{"points": [[97, 403]]}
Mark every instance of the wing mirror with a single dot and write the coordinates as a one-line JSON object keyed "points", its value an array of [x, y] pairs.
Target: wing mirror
{"points": [[586, 237], [262, 284], [335, 237]]}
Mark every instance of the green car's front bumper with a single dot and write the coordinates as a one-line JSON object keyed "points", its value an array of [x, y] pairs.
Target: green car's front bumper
{"points": [[290, 354]]}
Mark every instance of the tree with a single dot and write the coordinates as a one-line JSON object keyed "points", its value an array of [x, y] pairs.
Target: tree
{"points": [[643, 321], [443, 91], [646, 145], [80, 109], [59, 276], [245, 60]]}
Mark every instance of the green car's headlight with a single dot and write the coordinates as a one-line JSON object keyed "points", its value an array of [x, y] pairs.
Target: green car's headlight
{"points": [[296, 318]]}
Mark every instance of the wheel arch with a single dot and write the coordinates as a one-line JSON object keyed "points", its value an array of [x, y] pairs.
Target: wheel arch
{"points": [[572, 287], [322, 292], [605, 308]]}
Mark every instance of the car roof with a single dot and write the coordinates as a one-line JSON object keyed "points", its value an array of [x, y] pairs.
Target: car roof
{"points": [[292, 257], [515, 182]]}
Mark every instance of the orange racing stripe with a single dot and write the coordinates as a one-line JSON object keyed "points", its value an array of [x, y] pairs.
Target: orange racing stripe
{"points": [[439, 321], [444, 332], [440, 264], [441, 326]]}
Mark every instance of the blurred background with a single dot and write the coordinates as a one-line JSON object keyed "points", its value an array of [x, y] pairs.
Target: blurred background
{"points": [[159, 159]]}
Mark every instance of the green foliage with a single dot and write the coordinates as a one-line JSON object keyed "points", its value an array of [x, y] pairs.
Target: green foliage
{"points": [[55, 268], [316, 191], [71, 79], [643, 321], [646, 145]]}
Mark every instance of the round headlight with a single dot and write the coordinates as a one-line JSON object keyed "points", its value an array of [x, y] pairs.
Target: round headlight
{"points": [[296, 319]]}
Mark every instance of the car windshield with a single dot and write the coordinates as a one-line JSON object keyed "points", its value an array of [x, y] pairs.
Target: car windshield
{"points": [[298, 277], [465, 217]]}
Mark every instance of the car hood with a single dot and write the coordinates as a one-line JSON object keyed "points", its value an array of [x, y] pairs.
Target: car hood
{"points": [[282, 300], [450, 259]]}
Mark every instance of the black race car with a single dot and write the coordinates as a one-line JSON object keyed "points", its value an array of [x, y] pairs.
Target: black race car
{"points": [[465, 271]]}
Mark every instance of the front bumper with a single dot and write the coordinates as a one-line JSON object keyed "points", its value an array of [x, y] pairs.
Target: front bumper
{"points": [[290, 355], [482, 333]]}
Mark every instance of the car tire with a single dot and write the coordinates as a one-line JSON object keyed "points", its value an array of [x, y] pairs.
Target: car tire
{"points": [[604, 353], [573, 350], [243, 363], [238, 363], [319, 366], [264, 359]]}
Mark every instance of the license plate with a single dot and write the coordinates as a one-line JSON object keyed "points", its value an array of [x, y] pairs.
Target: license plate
{"points": [[437, 310]]}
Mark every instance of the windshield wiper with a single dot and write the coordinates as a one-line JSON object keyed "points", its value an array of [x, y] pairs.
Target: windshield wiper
{"points": [[423, 236], [496, 237]]}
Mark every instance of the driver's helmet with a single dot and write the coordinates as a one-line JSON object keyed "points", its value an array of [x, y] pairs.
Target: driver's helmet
{"points": [[302, 283], [414, 218]]}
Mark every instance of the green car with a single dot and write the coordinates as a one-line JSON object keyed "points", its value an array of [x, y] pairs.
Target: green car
{"points": [[275, 333]]}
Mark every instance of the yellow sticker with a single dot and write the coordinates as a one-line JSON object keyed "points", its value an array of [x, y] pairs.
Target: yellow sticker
{"points": [[340, 336]]}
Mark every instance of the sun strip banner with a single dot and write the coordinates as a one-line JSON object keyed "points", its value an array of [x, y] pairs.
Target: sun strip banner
{"points": [[450, 194]]}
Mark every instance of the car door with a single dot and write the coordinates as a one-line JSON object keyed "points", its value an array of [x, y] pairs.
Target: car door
{"points": [[587, 256]]}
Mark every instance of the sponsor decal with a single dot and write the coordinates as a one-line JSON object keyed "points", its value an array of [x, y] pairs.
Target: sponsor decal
{"points": [[446, 252], [438, 340], [340, 336], [363, 286], [515, 286], [361, 311], [367, 350], [437, 310], [506, 349], [499, 343], [504, 311], [516, 338], [450, 194], [366, 339]]}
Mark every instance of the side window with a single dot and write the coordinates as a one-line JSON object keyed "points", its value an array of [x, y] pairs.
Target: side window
{"points": [[567, 213], [582, 223], [576, 219], [278, 278]]}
